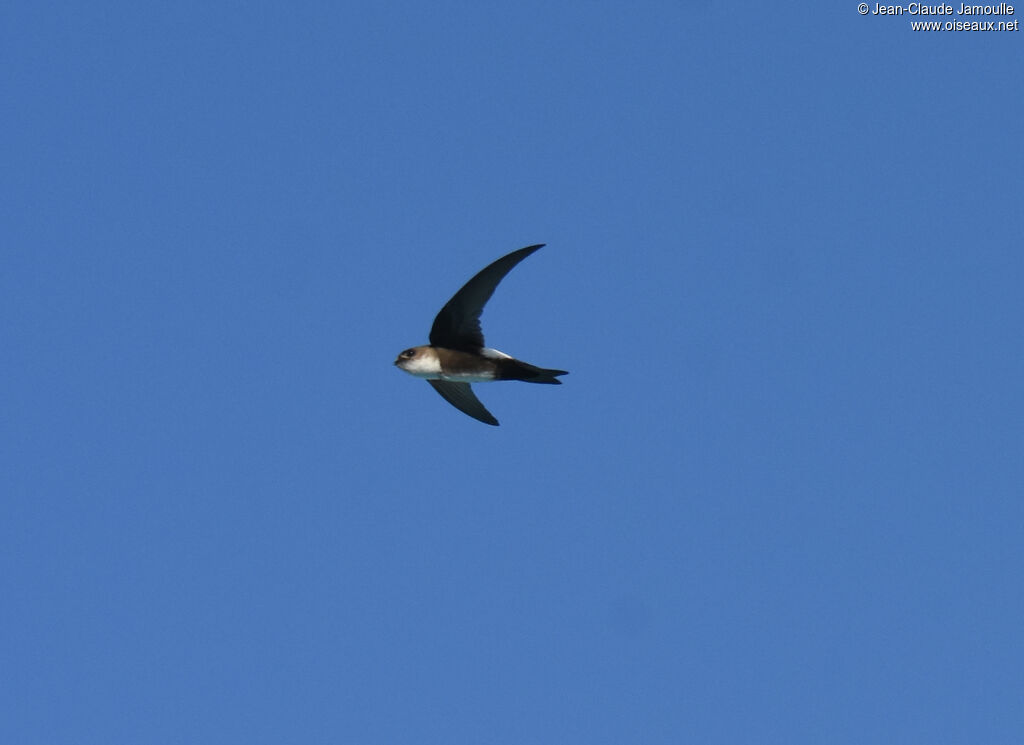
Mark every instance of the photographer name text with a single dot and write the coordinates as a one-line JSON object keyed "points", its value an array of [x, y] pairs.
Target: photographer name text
{"points": [[920, 9]]}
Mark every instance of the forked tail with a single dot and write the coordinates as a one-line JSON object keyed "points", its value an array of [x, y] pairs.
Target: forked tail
{"points": [[528, 373]]}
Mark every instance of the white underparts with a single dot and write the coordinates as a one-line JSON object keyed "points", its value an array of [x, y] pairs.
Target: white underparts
{"points": [[482, 377]]}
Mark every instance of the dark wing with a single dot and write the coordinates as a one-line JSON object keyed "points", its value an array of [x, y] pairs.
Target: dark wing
{"points": [[461, 396], [457, 326]]}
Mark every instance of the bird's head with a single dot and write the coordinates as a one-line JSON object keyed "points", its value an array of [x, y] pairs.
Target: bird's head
{"points": [[420, 361]]}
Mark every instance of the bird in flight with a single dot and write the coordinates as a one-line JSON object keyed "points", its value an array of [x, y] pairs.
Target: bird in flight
{"points": [[456, 355]]}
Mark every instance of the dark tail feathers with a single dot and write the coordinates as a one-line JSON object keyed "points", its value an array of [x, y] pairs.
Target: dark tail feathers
{"points": [[517, 370]]}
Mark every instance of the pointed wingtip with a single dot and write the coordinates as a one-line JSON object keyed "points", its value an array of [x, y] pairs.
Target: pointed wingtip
{"points": [[461, 396], [457, 324]]}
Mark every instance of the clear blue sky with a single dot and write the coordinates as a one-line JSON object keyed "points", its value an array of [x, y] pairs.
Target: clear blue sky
{"points": [[777, 500]]}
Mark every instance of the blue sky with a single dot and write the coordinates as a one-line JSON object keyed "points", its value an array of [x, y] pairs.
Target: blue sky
{"points": [[777, 500]]}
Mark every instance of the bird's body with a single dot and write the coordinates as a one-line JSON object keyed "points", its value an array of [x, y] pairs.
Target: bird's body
{"points": [[456, 355]]}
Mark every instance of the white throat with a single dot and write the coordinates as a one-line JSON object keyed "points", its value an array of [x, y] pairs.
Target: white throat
{"points": [[423, 366]]}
